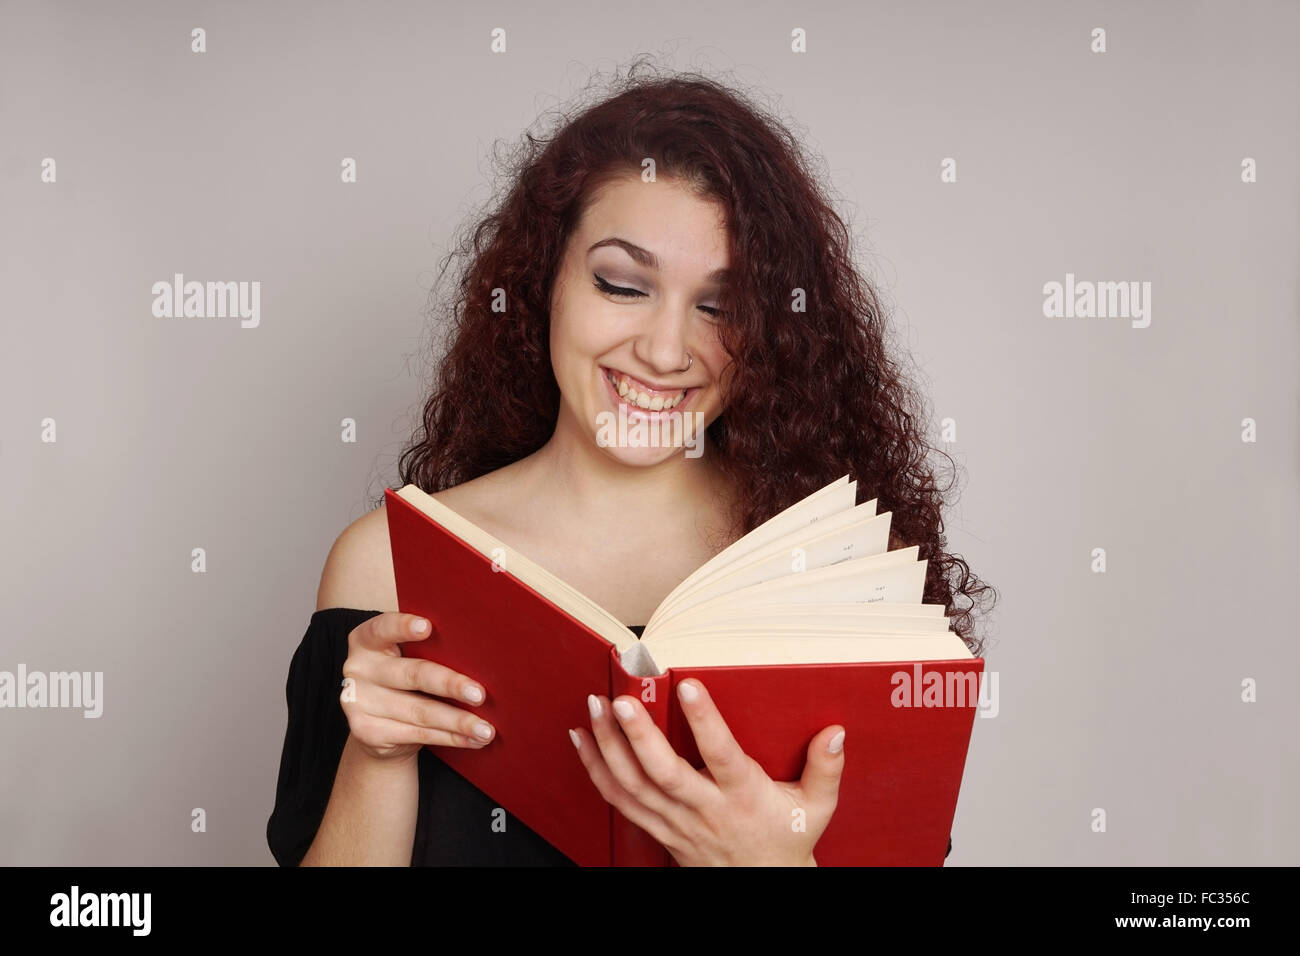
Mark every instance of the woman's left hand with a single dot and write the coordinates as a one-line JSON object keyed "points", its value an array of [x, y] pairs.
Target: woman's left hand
{"points": [[729, 814]]}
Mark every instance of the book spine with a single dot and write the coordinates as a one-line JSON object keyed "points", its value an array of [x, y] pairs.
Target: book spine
{"points": [[629, 844]]}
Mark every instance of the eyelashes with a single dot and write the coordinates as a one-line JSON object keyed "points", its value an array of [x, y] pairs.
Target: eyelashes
{"points": [[608, 289], [614, 290]]}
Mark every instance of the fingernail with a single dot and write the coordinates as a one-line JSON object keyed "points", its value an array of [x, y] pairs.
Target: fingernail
{"points": [[688, 692], [593, 705], [474, 695], [482, 730], [837, 743], [624, 709], [419, 626], [573, 735]]}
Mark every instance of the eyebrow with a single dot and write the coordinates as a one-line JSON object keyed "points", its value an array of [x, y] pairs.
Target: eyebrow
{"points": [[648, 259]]}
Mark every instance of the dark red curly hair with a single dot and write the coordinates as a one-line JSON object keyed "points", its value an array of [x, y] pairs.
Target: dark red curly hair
{"points": [[815, 393]]}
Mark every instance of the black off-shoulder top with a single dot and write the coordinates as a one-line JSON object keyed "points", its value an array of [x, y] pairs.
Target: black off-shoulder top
{"points": [[454, 826]]}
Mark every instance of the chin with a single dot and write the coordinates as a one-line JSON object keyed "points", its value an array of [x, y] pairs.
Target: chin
{"points": [[640, 441], [641, 457]]}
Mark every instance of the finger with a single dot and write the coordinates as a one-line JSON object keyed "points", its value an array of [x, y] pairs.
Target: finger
{"points": [[428, 677], [728, 764], [820, 782], [614, 794], [410, 707], [384, 631], [622, 760], [674, 777], [385, 732]]}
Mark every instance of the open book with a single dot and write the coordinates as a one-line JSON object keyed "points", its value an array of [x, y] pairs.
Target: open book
{"points": [[806, 621]]}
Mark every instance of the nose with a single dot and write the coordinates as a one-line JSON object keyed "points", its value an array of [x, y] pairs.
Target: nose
{"points": [[664, 345]]}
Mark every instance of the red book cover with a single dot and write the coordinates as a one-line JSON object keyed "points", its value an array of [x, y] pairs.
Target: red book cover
{"points": [[903, 759]]}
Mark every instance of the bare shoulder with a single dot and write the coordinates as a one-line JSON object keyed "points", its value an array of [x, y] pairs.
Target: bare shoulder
{"points": [[359, 569]]}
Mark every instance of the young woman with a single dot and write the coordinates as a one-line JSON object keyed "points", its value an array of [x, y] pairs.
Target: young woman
{"points": [[666, 251]]}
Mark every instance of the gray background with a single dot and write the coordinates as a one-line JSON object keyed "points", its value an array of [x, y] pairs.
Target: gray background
{"points": [[1119, 691]]}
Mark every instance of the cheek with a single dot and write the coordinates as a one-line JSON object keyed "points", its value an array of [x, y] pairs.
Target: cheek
{"points": [[714, 348], [558, 323], [563, 321], [576, 330], [565, 337], [721, 367], [574, 352]]}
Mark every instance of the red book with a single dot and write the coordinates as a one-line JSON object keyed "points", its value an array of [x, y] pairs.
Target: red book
{"points": [[806, 622]]}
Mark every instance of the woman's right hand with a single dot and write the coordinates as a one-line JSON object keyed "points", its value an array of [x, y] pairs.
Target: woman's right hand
{"points": [[389, 699]]}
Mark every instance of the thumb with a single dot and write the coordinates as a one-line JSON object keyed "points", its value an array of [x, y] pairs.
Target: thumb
{"points": [[821, 774]]}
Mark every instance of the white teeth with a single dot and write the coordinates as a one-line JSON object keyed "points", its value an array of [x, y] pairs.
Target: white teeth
{"points": [[641, 399]]}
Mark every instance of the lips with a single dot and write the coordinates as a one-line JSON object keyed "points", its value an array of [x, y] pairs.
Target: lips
{"points": [[642, 397]]}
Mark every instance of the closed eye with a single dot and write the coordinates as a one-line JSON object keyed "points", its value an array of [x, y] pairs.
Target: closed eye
{"points": [[622, 292], [608, 289]]}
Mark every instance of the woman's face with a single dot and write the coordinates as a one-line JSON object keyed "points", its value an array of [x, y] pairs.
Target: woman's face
{"points": [[633, 333]]}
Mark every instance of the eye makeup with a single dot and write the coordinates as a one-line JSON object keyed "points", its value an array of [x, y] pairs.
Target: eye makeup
{"points": [[602, 285]]}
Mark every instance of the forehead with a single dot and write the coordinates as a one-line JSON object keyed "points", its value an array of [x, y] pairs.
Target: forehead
{"points": [[667, 217]]}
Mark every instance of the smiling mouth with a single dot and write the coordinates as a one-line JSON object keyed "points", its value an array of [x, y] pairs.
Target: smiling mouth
{"points": [[639, 394]]}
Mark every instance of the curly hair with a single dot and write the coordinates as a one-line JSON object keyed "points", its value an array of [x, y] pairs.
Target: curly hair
{"points": [[815, 393]]}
